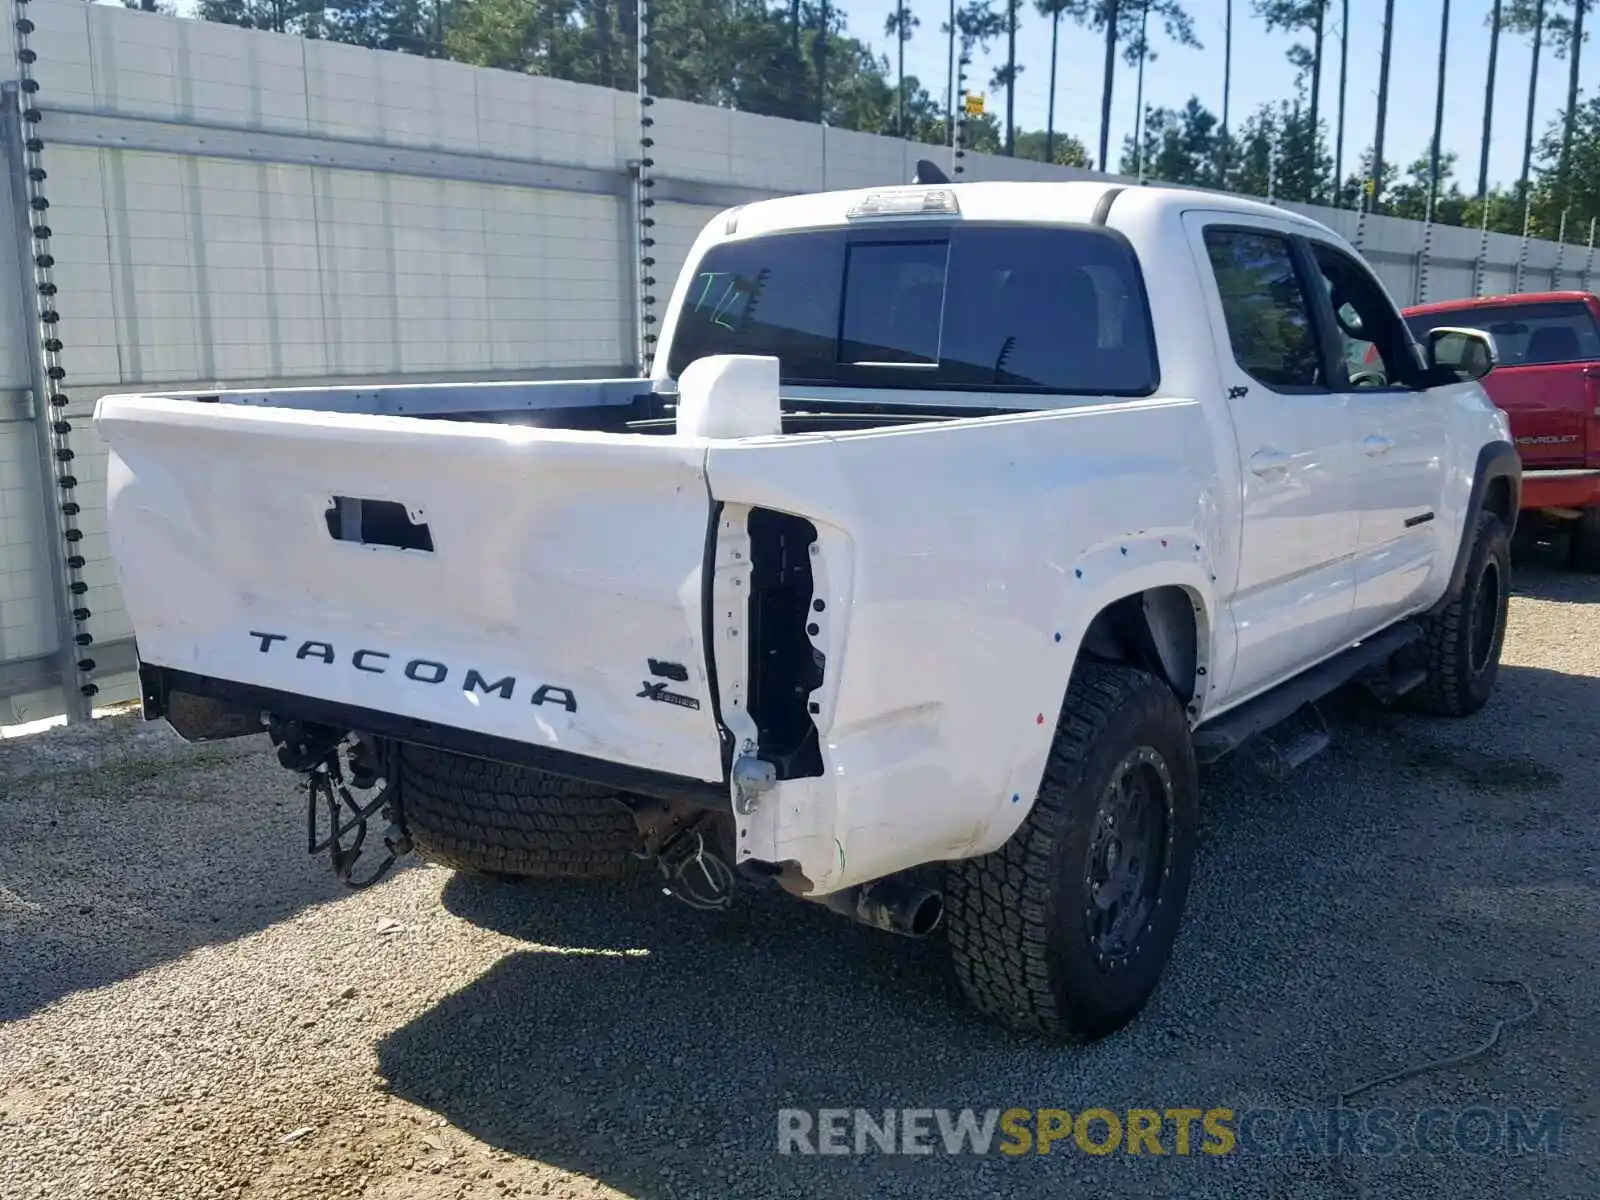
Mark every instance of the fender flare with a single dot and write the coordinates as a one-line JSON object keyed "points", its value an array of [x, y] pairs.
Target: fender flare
{"points": [[1496, 460]]}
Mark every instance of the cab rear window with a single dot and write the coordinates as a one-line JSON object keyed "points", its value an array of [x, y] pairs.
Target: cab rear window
{"points": [[1525, 335], [979, 307]]}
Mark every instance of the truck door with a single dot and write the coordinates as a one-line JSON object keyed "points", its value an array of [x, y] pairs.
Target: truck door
{"points": [[1399, 431], [1295, 593]]}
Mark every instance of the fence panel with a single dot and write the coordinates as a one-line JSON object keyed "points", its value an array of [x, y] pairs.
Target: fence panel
{"points": [[233, 207]]}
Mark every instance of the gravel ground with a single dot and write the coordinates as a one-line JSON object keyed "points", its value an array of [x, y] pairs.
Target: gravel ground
{"points": [[189, 1006]]}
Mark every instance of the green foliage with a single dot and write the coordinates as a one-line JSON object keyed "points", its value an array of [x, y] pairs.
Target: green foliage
{"points": [[1180, 146], [1522, 16], [978, 24], [1578, 195], [1274, 152], [1295, 17], [1409, 197], [774, 57], [1067, 150], [279, 16], [1128, 15]]}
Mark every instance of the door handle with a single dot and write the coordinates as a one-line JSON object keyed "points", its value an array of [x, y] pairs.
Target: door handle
{"points": [[1377, 444], [1269, 462]]}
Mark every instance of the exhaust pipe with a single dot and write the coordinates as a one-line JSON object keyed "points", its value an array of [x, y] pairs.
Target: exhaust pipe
{"points": [[890, 905]]}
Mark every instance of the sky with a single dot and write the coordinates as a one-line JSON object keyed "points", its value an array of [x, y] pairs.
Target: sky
{"points": [[1261, 73]]}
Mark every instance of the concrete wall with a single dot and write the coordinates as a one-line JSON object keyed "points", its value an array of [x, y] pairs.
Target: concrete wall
{"points": [[235, 207]]}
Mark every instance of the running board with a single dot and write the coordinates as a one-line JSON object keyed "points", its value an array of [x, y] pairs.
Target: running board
{"points": [[1285, 748], [1232, 729], [1388, 686]]}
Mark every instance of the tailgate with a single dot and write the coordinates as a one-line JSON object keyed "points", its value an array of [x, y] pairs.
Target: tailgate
{"points": [[532, 584]]}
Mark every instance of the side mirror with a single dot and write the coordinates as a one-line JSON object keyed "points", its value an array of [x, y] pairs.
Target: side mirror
{"points": [[1468, 354]]}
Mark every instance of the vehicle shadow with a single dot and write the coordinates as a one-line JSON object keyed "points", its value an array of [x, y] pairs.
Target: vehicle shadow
{"points": [[122, 847], [650, 1048], [1541, 571]]}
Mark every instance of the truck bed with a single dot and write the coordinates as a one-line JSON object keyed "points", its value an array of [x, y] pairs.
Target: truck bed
{"points": [[570, 402], [628, 405]]}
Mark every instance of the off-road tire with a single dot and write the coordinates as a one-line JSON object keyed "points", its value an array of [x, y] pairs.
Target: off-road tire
{"points": [[490, 818], [1583, 544], [1461, 658], [1018, 920]]}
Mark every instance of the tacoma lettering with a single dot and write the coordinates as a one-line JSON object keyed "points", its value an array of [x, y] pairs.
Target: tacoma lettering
{"points": [[477, 683], [425, 670], [419, 670]]}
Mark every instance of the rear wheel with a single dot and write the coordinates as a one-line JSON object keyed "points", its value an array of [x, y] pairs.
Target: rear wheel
{"points": [[1460, 649], [1584, 547], [497, 819], [1066, 928]]}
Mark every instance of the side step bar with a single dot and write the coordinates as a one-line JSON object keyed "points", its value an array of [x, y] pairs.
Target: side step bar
{"points": [[1285, 748], [1224, 735]]}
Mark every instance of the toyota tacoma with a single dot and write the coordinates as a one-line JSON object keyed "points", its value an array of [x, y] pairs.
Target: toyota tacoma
{"points": [[951, 529]]}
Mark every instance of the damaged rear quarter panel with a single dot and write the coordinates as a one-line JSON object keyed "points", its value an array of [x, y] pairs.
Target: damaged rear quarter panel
{"points": [[961, 563]]}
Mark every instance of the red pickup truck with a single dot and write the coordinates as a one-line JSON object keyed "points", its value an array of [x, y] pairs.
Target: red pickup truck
{"points": [[1548, 383]]}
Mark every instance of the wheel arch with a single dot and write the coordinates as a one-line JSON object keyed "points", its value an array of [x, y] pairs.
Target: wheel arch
{"points": [[1162, 622], [1163, 629], [1497, 487]]}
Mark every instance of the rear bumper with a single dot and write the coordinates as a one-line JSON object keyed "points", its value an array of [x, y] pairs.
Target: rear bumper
{"points": [[1577, 488], [202, 708]]}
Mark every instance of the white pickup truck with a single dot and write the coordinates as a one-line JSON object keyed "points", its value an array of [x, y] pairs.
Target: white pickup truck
{"points": [[955, 525]]}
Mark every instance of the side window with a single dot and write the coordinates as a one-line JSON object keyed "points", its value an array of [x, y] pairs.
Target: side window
{"points": [[1374, 345], [1265, 304]]}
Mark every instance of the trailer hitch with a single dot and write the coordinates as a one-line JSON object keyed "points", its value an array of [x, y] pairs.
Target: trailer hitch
{"points": [[673, 837], [693, 873], [333, 765]]}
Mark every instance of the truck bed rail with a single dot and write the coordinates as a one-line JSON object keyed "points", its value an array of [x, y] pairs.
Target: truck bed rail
{"points": [[437, 399]]}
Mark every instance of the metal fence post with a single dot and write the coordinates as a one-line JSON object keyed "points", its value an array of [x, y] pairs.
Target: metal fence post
{"points": [[1588, 263], [57, 483], [958, 125], [644, 258], [1481, 267], [1522, 255], [1422, 261], [1272, 165], [1557, 271]]}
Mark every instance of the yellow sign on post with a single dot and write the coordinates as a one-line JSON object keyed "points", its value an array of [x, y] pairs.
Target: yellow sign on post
{"points": [[974, 103]]}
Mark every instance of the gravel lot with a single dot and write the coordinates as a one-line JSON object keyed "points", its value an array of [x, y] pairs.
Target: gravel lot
{"points": [[189, 1006]]}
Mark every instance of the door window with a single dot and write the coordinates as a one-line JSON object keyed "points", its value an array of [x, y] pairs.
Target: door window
{"points": [[1270, 326], [1374, 347]]}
